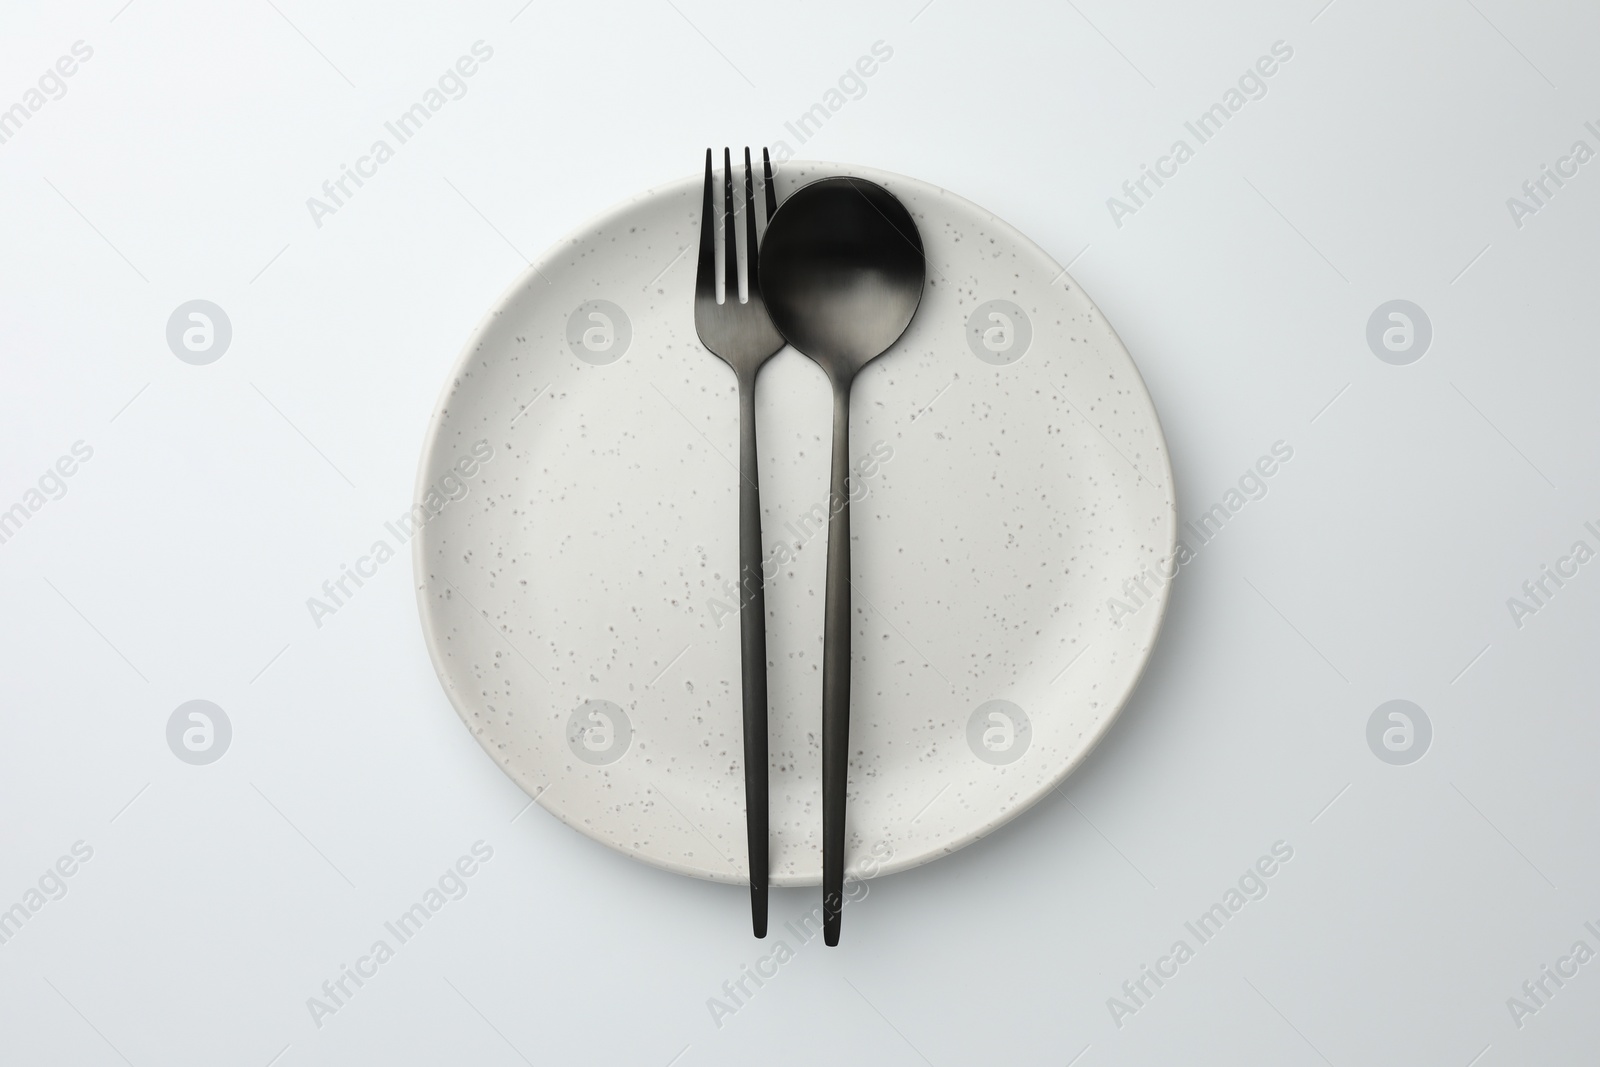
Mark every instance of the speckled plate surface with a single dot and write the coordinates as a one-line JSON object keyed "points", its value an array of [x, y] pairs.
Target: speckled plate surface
{"points": [[578, 513]]}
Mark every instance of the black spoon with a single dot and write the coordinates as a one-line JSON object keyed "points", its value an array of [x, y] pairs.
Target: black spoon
{"points": [[842, 272]]}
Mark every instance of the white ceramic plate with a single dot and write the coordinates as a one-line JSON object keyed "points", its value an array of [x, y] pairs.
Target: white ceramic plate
{"points": [[578, 512]]}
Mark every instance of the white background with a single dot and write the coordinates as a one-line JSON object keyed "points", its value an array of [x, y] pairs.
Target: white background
{"points": [[218, 498]]}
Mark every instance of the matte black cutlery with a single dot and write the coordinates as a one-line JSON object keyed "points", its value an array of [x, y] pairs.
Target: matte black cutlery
{"points": [[741, 334], [842, 271]]}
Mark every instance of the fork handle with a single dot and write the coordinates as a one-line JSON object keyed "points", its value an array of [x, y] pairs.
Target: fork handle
{"points": [[836, 671], [753, 655]]}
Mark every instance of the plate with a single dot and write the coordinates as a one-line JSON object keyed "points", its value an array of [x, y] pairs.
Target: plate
{"points": [[576, 546]]}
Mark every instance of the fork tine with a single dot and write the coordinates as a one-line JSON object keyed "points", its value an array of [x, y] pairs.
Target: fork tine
{"points": [[772, 197], [705, 282], [731, 257], [752, 275]]}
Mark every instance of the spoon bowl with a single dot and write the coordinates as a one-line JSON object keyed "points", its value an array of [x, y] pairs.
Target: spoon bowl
{"points": [[842, 271]]}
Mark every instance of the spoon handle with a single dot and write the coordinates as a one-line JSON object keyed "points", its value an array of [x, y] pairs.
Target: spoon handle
{"points": [[836, 672], [753, 655]]}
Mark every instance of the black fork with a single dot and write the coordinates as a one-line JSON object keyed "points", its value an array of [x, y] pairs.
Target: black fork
{"points": [[742, 335]]}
